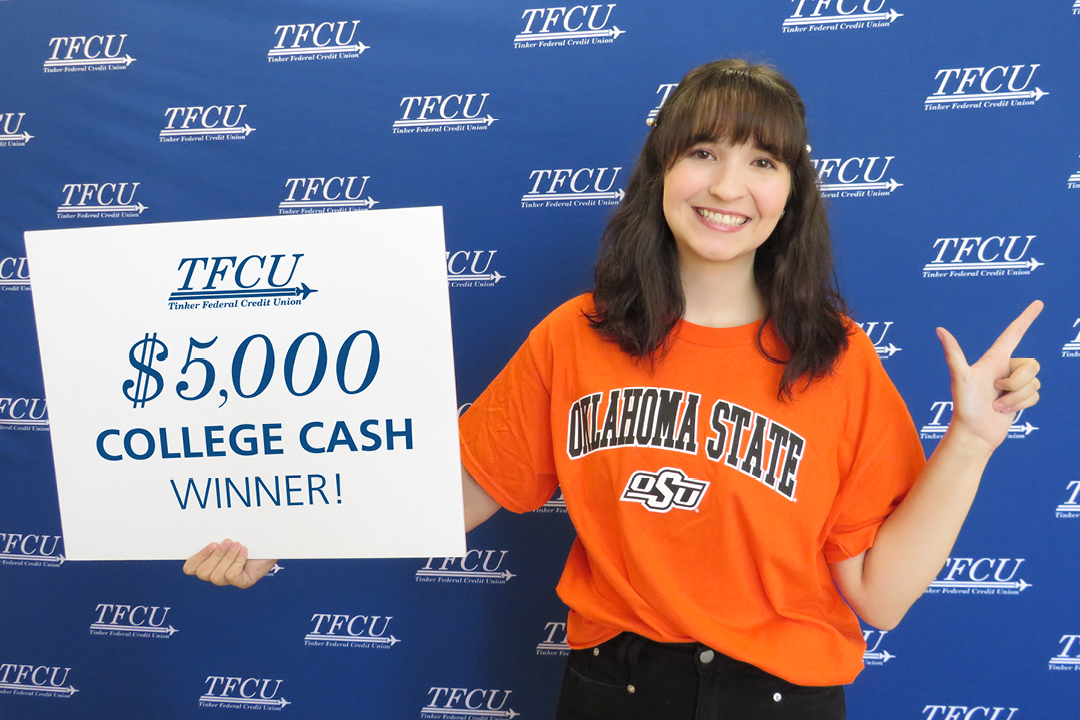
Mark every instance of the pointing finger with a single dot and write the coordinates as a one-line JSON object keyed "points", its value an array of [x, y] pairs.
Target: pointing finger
{"points": [[1008, 340]]}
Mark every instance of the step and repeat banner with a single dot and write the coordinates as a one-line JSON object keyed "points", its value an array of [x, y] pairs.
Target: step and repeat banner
{"points": [[947, 140]]}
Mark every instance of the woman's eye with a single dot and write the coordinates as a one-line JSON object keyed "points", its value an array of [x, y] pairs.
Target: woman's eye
{"points": [[700, 154], [764, 163]]}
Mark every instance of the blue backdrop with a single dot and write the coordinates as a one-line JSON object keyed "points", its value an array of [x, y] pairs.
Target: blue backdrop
{"points": [[946, 138]]}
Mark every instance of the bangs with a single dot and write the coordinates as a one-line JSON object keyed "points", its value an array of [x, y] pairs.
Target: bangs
{"points": [[736, 107]]}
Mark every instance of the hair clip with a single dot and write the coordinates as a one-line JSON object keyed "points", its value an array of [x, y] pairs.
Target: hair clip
{"points": [[807, 149], [651, 121]]}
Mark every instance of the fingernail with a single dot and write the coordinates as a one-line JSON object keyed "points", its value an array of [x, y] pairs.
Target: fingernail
{"points": [[226, 545]]}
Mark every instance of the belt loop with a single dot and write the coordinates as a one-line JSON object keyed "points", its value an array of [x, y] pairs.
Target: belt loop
{"points": [[629, 649]]}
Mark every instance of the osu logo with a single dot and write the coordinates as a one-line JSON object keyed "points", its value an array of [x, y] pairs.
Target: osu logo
{"points": [[659, 492]]}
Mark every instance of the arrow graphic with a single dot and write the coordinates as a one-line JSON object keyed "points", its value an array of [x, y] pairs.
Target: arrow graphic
{"points": [[471, 713], [1027, 94], [245, 131], [464, 278], [613, 33], [391, 641], [69, 690], [25, 137], [285, 204], [303, 290], [447, 121], [537, 197], [505, 574], [1008, 265], [275, 52], [865, 17], [887, 350], [280, 702], [982, 584], [97, 209], [890, 186], [882, 656], [125, 61], [136, 628]]}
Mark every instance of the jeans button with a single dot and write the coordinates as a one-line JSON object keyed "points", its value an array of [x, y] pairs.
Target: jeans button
{"points": [[596, 651], [706, 656], [631, 689], [777, 697]]}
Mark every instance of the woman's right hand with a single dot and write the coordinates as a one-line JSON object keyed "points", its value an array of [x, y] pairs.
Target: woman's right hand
{"points": [[227, 564]]}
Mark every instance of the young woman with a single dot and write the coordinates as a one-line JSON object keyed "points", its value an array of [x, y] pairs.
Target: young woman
{"points": [[740, 471]]}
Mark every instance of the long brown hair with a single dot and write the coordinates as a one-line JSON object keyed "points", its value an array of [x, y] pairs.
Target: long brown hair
{"points": [[638, 295]]}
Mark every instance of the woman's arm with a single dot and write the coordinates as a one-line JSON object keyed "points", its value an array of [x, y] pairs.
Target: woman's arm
{"points": [[915, 540], [227, 563]]}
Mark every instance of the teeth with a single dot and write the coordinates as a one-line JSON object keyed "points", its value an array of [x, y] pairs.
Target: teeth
{"points": [[720, 218]]}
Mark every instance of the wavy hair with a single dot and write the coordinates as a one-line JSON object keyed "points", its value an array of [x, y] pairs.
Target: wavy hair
{"points": [[638, 294]]}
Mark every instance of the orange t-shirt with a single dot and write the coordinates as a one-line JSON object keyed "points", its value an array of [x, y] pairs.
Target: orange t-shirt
{"points": [[706, 509]]}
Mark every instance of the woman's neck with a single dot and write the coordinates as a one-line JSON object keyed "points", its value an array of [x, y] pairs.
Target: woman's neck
{"points": [[721, 296]]}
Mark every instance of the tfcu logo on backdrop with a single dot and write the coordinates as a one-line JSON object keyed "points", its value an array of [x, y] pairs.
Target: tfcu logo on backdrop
{"points": [[24, 413], [1069, 656], [471, 268], [30, 550], [979, 576], [967, 712], [100, 200], [1076, 8], [358, 631], [210, 122], [325, 194], [35, 680], [874, 653], [941, 412], [554, 642], [557, 504], [573, 187], [140, 621], [981, 87], [14, 274], [242, 693], [855, 176], [1071, 507], [877, 331], [457, 112], [562, 26], [663, 91], [82, 53], [839, 15], [477, 567], [467, 704], [1069, 349], [12, 133], [229, 281], [316, 41], [993, 256]]}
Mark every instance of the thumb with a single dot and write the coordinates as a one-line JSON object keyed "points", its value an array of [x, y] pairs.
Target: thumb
{"points": [[954, 356]]}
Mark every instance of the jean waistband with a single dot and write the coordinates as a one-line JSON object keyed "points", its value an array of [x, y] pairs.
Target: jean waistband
{"points": [[632, 649]]}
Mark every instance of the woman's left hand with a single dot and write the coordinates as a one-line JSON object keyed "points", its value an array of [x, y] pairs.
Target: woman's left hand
{"points": [[988, 394]]}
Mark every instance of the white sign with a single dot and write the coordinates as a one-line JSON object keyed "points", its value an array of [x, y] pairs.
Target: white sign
{"points": [[287, 382]]}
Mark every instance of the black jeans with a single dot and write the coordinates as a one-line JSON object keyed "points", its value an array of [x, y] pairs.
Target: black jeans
{"points": [[633, 678]]}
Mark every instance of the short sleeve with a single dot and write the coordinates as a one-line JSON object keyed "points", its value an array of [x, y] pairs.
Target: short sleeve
{"points": [[879, 456], [506, 434]]}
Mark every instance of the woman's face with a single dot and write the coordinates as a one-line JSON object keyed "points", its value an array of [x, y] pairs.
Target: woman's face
{"points": [[722, 202]]}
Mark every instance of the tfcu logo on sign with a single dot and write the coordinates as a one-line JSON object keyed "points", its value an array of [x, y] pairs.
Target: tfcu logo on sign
{"points": [[325, 194], [570, 187], [877, 331], [1074, 179], [22, 413], [663, 91], [942, 413], [554, 642], [316, 41], [132, 621], [841, 15], [363, 631], [82, 53], [242, 693], [14, 274], [1069, 349], [229, 281], [211, 122], [31, 550], [35, 680], [966, 712], [471, 268], [557, 504], [874, 654], [980, 87], [1071, 507], [855, 176], [443, 113], [11, 132], [467, 704], [562, 26], [477, 567], [993, 256], [979, 576], [100, 200], [1069, 657]]}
